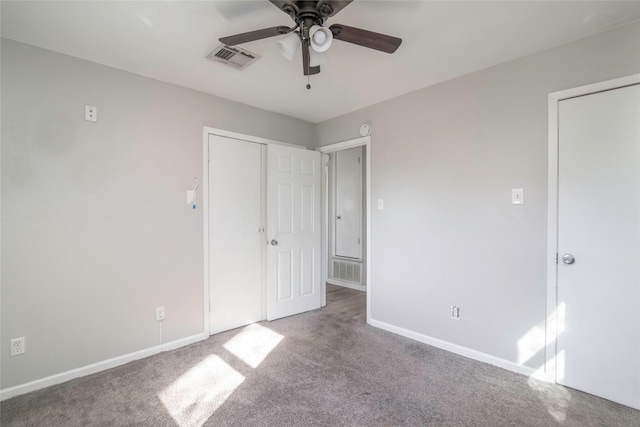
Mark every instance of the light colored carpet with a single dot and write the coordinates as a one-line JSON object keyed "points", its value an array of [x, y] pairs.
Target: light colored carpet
{"points": [[322, 368]]}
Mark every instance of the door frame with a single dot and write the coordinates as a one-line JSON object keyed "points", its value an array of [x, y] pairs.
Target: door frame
{"points": [[332, 148], [205, 213], [554, 98]]}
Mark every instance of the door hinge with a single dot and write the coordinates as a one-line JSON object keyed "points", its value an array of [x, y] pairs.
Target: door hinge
{"points": [[556, 259], [358, 240], [358, 159]]}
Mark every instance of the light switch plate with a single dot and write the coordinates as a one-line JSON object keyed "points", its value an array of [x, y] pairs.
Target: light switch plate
{"points": [[517, 196], [380, 204]]}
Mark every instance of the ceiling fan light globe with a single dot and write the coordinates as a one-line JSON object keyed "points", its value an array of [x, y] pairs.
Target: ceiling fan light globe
{"points": [[289, 45], [320, 38]]}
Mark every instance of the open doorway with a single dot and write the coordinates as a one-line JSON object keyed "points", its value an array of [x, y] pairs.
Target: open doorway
{"points": [[346, 212], [346, 220]]}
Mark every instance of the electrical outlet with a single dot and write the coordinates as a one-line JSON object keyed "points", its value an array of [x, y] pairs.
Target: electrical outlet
{"points": [[90, 113], [455, 312], [160, 313], [18, 346]]}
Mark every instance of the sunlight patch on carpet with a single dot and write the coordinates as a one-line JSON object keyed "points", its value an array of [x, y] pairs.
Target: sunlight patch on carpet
{"points": [[253, 344], [200, 391], [555, 398]]}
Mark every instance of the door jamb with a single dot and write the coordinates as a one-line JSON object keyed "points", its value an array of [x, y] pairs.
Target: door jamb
{"points": [[554, 98], [331, 148], [206, 206]]}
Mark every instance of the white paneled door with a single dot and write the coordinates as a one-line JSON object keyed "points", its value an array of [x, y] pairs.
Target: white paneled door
{"points": [[293, 231], [598, 344]]}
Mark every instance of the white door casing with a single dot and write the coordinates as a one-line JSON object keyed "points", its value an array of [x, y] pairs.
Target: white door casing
{"points": [[235, 224], [293, 231], [348, 203], [598, 223]]}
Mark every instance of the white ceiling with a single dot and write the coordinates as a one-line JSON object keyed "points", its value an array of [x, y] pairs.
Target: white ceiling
{"points": [[169, 40]]}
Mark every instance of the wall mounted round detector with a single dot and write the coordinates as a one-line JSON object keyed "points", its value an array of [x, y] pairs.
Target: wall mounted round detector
{"points": [[365, 130]]}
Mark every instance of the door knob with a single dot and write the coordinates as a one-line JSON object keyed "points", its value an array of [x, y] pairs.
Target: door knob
{"points": [[568, 259], [339, 217], [274, 242]]}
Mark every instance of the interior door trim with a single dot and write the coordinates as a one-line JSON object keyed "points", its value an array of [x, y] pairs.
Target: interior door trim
{"points": [[554, 98], [205, 205]]}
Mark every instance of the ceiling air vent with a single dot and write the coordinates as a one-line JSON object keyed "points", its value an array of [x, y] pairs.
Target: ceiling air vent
{"points": [[235, 57]]}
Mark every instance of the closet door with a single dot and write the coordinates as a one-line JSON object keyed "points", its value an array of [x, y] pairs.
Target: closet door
{"points": [[598, 345], [293, 227], [235, 230]]}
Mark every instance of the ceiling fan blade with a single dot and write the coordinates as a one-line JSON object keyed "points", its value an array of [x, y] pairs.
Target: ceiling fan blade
{"points": [[254, 35], [328, 8], [306, 61], [365, 38]]}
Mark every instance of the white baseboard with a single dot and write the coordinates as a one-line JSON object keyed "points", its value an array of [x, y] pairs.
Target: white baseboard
{"points": [[457, 349], [97, 367], [347, 285]]}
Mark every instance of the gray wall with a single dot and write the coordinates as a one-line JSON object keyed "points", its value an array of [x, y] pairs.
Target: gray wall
{"points": [[445, 159], [96, 231]]}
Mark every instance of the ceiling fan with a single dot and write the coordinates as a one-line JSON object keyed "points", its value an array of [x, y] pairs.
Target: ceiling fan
{"points": [[309, 32]]}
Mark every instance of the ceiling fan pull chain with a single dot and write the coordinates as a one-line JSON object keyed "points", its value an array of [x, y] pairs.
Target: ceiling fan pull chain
{"points": [[308, 61], [308, 77]]}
